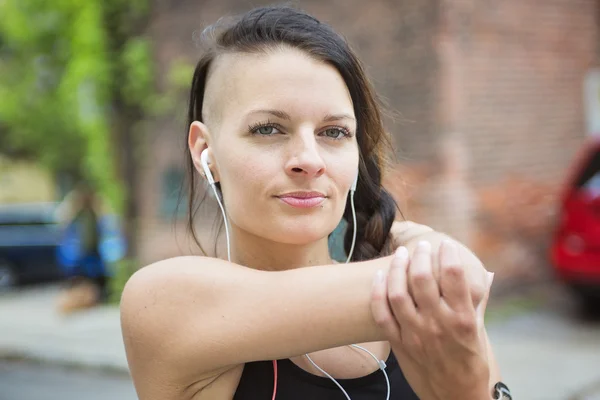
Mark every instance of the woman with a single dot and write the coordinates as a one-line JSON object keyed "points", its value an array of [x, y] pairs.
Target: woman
{"points": [[282, 111]]}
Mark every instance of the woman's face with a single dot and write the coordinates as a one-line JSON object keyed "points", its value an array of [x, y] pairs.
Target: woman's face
{"points": [[281, 132]]}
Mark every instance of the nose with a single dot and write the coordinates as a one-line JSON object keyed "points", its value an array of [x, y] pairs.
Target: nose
{"points": [[305, 158]]}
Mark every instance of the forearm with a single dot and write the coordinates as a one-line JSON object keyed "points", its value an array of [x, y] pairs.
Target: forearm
{"points": [[218, 313], [315, 308], [344, 294]]}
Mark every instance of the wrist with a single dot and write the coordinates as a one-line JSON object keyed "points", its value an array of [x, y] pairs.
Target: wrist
{"points": [[498, 392], [482, 390], [487, 395]]}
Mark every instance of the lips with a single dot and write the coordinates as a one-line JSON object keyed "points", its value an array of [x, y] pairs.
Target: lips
{"points": [[303, 199]]}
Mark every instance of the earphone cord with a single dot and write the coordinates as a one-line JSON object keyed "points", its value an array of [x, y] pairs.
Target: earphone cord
{"points": [[382, 367], [379, 362], [354, 227], [216, 192]]}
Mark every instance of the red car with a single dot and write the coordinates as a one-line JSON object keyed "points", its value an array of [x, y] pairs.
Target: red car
{"points": [[575, 250]]}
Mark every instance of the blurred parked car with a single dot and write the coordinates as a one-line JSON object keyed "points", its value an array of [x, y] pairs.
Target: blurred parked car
{"points": [[575, 250], [29, 237], [35, 246]]}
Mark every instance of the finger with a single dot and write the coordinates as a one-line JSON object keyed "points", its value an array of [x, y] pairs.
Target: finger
{"points": [[380, 308], [423, 286], [453, 282], [401, 302], [435, 265], [475, 273]]}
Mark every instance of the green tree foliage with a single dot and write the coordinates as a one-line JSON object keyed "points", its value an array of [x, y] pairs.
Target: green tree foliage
{"points": [[75, 80]]}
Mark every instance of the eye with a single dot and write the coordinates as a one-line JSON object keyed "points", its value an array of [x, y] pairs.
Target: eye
{"points": [[336, 133], [264, 129]]}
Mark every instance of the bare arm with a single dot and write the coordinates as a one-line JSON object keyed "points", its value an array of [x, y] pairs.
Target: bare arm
{"points": [[195, 316], [190, 318]]}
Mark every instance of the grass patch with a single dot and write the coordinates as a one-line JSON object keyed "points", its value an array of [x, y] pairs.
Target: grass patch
{"points": [[509, 308], [122, 271]]}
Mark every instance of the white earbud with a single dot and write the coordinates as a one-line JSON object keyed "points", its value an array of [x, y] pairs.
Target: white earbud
{"points": [[353, 187], [205, 168]]}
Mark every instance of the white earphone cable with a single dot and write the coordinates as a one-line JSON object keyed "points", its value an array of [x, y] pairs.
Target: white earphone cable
{"points": [[216, 192], [382, 367], [379, 362], [329, 376], [354, 226]]}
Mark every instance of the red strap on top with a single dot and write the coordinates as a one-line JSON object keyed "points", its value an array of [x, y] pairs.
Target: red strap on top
{"points": [[274, 379]]}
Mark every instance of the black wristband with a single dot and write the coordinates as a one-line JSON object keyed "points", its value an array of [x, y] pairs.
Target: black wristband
{"points": [[501, 391]]}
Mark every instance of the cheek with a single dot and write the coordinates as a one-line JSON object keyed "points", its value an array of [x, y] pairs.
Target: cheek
{"points": [[243, 185], [344, 172]]}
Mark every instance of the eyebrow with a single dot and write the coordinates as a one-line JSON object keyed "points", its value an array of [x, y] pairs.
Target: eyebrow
{"points": [[283, 115]]}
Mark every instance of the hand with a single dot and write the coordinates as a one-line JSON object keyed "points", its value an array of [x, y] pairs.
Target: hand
{"points": [[434, 331], [408, 234]]}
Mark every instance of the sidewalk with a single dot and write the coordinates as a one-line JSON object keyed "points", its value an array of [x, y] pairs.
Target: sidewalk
{"points": [[544, 353], [30, 327]]}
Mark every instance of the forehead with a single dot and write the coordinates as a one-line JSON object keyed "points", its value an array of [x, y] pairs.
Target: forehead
{"points": [[284, 78]]}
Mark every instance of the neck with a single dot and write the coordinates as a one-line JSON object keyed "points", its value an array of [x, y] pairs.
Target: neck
{"points": [[259, 253]]}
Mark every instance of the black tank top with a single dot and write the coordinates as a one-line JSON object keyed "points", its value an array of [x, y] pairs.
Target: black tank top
{"points": [[294, 383]]}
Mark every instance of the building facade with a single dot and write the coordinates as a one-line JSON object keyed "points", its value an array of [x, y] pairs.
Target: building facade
{"points": [[485, 104]]}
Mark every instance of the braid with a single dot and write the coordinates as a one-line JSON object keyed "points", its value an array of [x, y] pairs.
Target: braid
{"points": [[375, 213]]}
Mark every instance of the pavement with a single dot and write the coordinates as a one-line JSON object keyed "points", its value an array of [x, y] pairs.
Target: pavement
{"points": [[549, 353], [31, 328], [25, 380], [546, 349]]}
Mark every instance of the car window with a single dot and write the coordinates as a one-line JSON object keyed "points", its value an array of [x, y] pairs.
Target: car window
{"points": [[28, 214], [593, 185], [588, 172]]}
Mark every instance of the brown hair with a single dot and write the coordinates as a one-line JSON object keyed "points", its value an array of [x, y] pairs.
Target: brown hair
{"points": [[265, 28]]}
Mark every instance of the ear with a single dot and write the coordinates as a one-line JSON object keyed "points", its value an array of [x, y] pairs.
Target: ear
{"points": [[198, 140]]}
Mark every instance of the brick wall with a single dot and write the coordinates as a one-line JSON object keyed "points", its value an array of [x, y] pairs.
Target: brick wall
{"points": [[525, 62], [510, 104]]}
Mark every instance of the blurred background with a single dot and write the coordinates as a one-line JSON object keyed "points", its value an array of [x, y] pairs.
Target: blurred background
{"points": [[494, 109]]}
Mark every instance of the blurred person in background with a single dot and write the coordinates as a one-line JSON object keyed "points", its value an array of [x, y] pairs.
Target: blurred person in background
{"points": [[283, 119], [86, 271]]}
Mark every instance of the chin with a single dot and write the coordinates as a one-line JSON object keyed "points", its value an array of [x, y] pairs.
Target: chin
{"points": [[299, 233]]}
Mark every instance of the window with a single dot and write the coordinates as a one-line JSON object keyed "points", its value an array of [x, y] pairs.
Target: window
{"points": [[589, 178]]}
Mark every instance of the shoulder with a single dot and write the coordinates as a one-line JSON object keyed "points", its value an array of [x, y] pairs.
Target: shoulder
{"points": [[155, 290], [168, 270], [167, 294], [158, 281], [163, 338]]}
